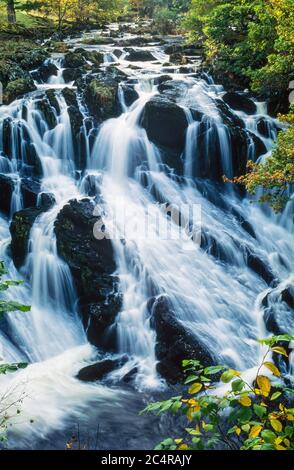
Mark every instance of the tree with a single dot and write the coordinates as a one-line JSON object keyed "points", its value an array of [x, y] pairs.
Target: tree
{"points": [[10, 9]]}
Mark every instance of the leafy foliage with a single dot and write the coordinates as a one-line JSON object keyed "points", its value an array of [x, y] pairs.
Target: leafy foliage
{"points": [[277, 172], [9, 306], [251, 41], [257, 416]]}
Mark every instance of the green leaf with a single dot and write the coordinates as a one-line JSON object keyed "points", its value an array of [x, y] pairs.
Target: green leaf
{"points": [[12, 306], [268, 436], [260, 411], [238, 385], [4, 368], [275, 395], [213, 370]]}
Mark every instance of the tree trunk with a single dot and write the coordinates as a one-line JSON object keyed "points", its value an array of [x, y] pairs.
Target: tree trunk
{"points": [[11, 16]]}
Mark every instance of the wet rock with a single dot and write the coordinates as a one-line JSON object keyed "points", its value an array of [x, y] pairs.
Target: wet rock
{"points": [[71, 75], [130, 94], [32, 160], [175, 342], [240, 102], [18, 88], [6, 191], [50, 95], [20, 229], [7, 136], [279, 311], [74, 60], [99, 370], [178, 58], [165, 123], [118, 53], [48, 114], [30, 190], [92, 264], [101, 99], [139, 55], [47, 70], [97, 58], [70, 97], [259, 266]]}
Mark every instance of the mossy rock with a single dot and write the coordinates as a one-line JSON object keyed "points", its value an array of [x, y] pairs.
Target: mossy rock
{"points": [[101, 99], [17, 88]]}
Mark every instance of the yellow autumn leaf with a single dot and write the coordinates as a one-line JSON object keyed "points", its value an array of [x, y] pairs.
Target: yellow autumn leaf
{"points": [[245, 401], [280, 350], [290, 417], [183, 447], [195, 388], [238, 431], [264, 385], [279, 447], [287, 442], [178, 441], [271, 366], [255, 431], [276, 425]]}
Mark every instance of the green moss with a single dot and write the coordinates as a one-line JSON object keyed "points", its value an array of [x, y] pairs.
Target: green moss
{"points": [[17, 88], [101, 98]]}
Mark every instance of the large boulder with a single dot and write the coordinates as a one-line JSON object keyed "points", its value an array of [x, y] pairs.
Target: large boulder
{"points": [[174, 341], [240, 102], [92, 263], [101, 99], [139, 55], [47, 70], [165, 123], [18, 88], [74, 59]]}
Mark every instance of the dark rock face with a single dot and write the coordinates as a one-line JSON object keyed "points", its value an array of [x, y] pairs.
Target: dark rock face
{"points": [[50, 95], [92, 265], [130, 94], [70, 75], [74, 59], [70, 97], [279, 311], [47, 70], [46, 109], [6, 191], [139, 56], [174, 342], [240, 102], [165, 123], [101, 99], [20, 229], [99, 370]]}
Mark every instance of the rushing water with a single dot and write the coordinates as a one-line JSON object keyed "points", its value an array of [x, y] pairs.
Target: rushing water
{"points": [[216, 298]]}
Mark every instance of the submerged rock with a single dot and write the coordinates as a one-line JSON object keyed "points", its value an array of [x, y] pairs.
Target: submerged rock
{"points": [[175, 342], [99, 370], [92, 264]]}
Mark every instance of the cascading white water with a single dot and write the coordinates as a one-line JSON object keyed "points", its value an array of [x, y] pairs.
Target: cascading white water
{"points": [[217, 299]]}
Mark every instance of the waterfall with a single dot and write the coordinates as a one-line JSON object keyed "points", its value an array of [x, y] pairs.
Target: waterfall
{"points": [[217, 259]]}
